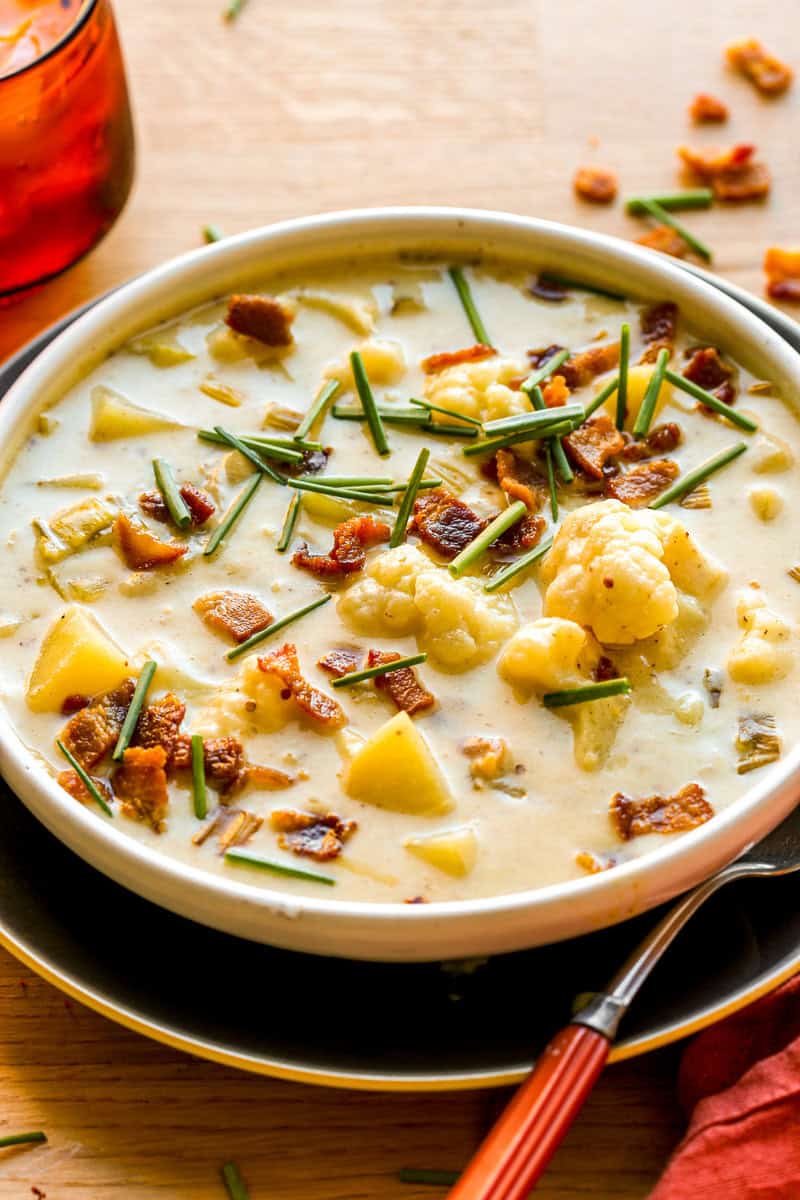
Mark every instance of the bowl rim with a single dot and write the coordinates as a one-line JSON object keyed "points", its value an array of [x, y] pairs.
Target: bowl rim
{"points": [[28, 774]]}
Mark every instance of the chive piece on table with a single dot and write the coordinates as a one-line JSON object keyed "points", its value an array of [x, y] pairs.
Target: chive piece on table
{"points": [[541, 373], [281, 623], [251, 455], [367, 399], [526, 434], [521, 564], [468, 304], [289, 523], [232, 10], [199, 794], [134, 709], [653, 209], [212, 233], [427, 1178], [551, 480], [590, 691], [644, 417], [318, 407], [566, 282], [479, 545], [342, 493], [673, 201], [234, 1184], [407, 503], [710, 400], [233, 514], [691, 479], [622, 378], [89, 784], [266, 864], [602, 396], [22, 1139], [399, 664], [447, 412], [165, 481], [557, 450]]}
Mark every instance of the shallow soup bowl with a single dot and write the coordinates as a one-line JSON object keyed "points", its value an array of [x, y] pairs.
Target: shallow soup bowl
{"points": [[394, 931]]}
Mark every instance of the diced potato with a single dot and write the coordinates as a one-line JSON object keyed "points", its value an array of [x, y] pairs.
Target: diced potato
{"points": [[71, 529], [237, 467], [638, 379], [328, 509], [77, 657], [770, 455], [764, 652], [594, 729], [384, 361], [162, 347], [46, 424], [222, 392], [396, 769], [9, 624], [115, 417], [356, 312], [453, 851], [765, 502]]}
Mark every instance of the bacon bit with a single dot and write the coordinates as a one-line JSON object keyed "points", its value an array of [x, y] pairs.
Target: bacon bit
{"points": [[786, 290], [663, 439], [139, 549], [751, 183], [350, 541], [712, 162], [226, 768], [643, 483], [706, 109], [592, 863], [537, 358], [416, 900], [239, 614], [708, 371], [664, 239], [782, 268], [160, 724], [444, 522], [658, 325], [74, 703], [764, 70], [199, 505], [312, 836], [555, 392], [544, 288], [605, 669], [256, 777], [452, 358], [92, 732], [262, 318], [519, 479], [71, 782], [402, 687], [284, 664], [687, 809], [339, 662], [489, 756], [592, 444], [596, 184], [731, 173], [524, 535], [581, 369], [141, 784]]}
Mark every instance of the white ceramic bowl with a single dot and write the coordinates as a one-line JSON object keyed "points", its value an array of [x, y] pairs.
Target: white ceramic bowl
{"points": [[397, 931]]}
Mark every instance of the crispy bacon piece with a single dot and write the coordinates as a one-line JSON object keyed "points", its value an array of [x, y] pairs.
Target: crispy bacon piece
{"points": [[524, 535], [262, 318], [785, 290], [489, 756], [351, 540], [141, 784], [199, 505], [139, 549], [74, 703], [687, 809], [658, 324], [709, 163], [708, 371], [750, 183], [451, 358], [662, 439], [592, 444], [642, 484], [159, 724], [731, 173], [444, 522], [537, 358], [593, 863], [226, 768], [706, 109], [71, 782], [312, 836], [339, 662], [256, 777], [555, 392], [544, 288], [764, 70], [239, 614], [92, 732], [782, 268], [519, 479], [665, 240], [403, 686], [596, 184], [580, 369], [284, 664], [604, 670]]}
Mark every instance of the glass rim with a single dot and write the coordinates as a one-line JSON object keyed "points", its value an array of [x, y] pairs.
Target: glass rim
{"points": [[58, 46]]}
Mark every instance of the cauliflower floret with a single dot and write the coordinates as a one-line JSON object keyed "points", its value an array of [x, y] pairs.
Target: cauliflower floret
{"points": [[253, 703], [384, 361], [543, 656], [690, 570], [478, 389], [762, 654], [382, 601]]}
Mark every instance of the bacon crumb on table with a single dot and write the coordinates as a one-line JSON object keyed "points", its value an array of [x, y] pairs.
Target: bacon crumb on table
{"points": [[782, 268], [643, 483], [238, 614], [319, 837], [140, 549], [658, 324], [199, 504], [262, 318], [452, 358], [444, 522], [595, 184], [71, 782], [710, 372], [666, 240], [592, 444], [93, 731], [732, 174], [687, 809], [285, 666], [140, 782], [402, 687], [771, 76], [706, 109], [351, 540]]}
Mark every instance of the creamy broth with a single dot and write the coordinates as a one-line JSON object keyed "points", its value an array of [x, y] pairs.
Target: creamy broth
{"points": [[549, 801]]}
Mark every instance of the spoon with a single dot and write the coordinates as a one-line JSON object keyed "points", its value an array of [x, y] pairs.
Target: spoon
{"points": [[520, 1145]]}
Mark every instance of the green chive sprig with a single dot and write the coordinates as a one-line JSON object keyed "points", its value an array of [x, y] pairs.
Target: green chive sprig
{"points": [[91, 787], [166, 484], [533, 421], [654, 209], [427, 1178], [199, 793], [233, 514], [323, 398], [233, 9], [391, 415], [212, 233], [388, 489], [23, 1139], [515, 568], [134, 711], [468, 304], [566, 281], [644, 417], [319, 486], [447, 412], [251, 455], [622, 378], [281, 623], [558, 427], [289, 523], [541, 373], [361, 380], [551, 480], [691, 479], [412, 660], [263, 444], [672, 201], [241, 858], [557, 452], [710, 401], [602, 396], [479, 545], [409, 496], [234, 1184], [590, 691]]}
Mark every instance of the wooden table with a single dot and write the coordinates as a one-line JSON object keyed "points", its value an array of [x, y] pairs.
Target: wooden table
{"points": [[316, 106]]}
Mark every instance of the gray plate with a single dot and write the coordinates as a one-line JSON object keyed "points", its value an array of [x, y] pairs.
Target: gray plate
{"points": [[380, 1026]]}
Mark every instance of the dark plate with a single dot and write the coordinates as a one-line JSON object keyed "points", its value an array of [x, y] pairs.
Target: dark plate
{"points": [[366, 1025]]}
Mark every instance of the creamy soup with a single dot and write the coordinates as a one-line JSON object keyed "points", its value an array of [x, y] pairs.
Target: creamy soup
{"points": [[569, 706]]}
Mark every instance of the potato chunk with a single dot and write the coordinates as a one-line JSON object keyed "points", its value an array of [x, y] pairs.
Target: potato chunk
{"points": [[384, 361], [71, 529], [453, 851], [396, 769], [638, 379], [764, 652], [115, 417], [77, 657]]}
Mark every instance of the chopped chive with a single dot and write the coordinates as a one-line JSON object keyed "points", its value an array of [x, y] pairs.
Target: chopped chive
{"points": [[551, 480], [590, 691], [448, 412], [468, 304], [234, 1184], [281, 623], [622, 378], [479, 545], [365, 481], [407, 503], [489, 445], [266, 864], [199, 795], [92, 789], [386, 490], [672, 201], [289, 523], [710, 401], [644, 417], [367, 399], [400, 416], [233, 514], [263, 444], [444, 429], [521, 564], [251, 455], [427, 1178], [317, 409], [366, 497], [134, 709], [22, 1139], [602, 396], [654, 209], [558, 452], [412, 660], [233, 9], [212, 233], [566, 282], [541, 373], [691, 479], [534, 420], [165, 481]]}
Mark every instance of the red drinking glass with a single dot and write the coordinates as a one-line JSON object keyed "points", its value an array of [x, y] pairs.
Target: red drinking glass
{"points": [[66, 138]]}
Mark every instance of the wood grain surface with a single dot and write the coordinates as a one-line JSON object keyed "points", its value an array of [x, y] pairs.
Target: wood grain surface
{"points": [[313, 106]]}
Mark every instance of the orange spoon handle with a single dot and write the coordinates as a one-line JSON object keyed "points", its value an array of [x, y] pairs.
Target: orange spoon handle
{"points": [[524, 1139]]}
